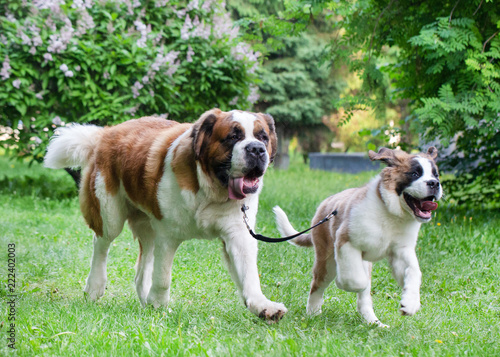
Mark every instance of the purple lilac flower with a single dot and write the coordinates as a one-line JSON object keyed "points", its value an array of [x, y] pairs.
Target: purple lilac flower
{"points": [[234, 101], [25, 40], [188, 25], [86, 22], [193, 4], [50, 24], [223, 27], [173, 68], [10, 17], [48, 57], [207, 5], [82, 4], [55, 44], [144, 31], [16, 83], [135, 89], [253, 96], [56, 120], [37, 140], [5, 71], [180, 13], [52, 5], [243, 50], [161, 60], [161, 3], [190, 53]]}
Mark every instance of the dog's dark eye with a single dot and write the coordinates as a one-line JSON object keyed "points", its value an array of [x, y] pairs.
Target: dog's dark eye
{"points": [[262, 136], [233, 137], [415, 174]]}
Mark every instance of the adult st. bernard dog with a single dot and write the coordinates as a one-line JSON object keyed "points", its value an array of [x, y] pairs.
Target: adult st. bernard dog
{"points": [[379, 220], [172, 182]]}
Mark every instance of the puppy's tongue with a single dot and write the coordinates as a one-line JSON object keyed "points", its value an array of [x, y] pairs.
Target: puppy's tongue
{"points": [[428, 206], [235, 188]]}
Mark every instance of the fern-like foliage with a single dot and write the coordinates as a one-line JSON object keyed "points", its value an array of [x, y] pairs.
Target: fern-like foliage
{"points": [[444, 57]]}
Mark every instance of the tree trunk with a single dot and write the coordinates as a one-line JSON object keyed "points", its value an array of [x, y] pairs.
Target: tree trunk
{"points": [[282, 159]]}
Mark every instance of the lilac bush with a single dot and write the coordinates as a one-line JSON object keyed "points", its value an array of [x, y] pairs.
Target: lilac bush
{"points": [[105, 61]]}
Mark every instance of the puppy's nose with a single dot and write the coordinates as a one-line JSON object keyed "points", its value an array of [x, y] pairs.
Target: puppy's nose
{"points": [[256, 149], [433, 184]]}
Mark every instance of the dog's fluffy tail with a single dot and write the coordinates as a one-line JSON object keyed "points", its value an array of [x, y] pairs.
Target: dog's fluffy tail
{"points": [[72, 146], [286, 229]]}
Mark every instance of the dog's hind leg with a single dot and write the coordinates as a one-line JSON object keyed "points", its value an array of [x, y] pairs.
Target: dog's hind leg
{"points": [[324, 273], [365, 304], [96, 281], [164, 252], [140, 224], [112, 210]]}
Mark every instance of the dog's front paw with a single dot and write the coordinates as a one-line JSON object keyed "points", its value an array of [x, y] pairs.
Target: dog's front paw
{"points": [[410, 304], [157, 298], [94, 291], [266, 309]]}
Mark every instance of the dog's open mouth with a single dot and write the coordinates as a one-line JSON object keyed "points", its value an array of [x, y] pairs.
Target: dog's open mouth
{"points": [[422, 208], [239, 187]]}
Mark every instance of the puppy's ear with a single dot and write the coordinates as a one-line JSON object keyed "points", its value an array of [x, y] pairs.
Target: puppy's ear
{"points": [[202, 130], [273, 138], [432, 152], [385, 155]]}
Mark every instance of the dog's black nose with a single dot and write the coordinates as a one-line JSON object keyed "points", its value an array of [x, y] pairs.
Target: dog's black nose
{"points": [[256, 149], [433, 184]]}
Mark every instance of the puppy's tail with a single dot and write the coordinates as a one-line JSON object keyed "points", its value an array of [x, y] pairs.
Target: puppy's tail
{"points": [[72, 146], [286, 229]]}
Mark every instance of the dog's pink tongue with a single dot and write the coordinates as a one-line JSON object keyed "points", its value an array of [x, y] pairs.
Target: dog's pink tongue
{"points": [[428, 206], [235, 188]]}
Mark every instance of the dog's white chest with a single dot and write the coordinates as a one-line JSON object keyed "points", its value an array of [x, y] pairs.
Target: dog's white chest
{"points": [[377, 234]]}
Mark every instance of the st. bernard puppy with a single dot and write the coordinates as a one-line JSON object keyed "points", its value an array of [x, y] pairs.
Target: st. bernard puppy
{"points": [[379, 220], [172, 182]]}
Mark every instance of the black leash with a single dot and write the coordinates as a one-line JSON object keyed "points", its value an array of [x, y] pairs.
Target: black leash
{"points": [[278, 240]]}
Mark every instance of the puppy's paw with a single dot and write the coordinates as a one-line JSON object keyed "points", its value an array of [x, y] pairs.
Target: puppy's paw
{"points": [[410, 304], [380, 324], [267, 310]]}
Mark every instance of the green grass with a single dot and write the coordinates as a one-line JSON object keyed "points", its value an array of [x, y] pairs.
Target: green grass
{"points": [[459, 256]]}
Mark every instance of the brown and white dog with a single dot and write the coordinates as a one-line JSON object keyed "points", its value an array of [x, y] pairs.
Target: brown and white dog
{"points": [[172, 182], [379, 220]]}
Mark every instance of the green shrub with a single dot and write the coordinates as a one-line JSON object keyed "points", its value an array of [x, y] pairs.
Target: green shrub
{"points": [[107, 61]]}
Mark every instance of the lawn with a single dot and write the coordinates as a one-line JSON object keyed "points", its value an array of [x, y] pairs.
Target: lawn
{"points": [[458, 251]]}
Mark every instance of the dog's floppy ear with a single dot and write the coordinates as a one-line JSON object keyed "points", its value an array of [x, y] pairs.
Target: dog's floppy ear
{"points": [[202, 130], [432, 152], [385, 155], [273, 139]]}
